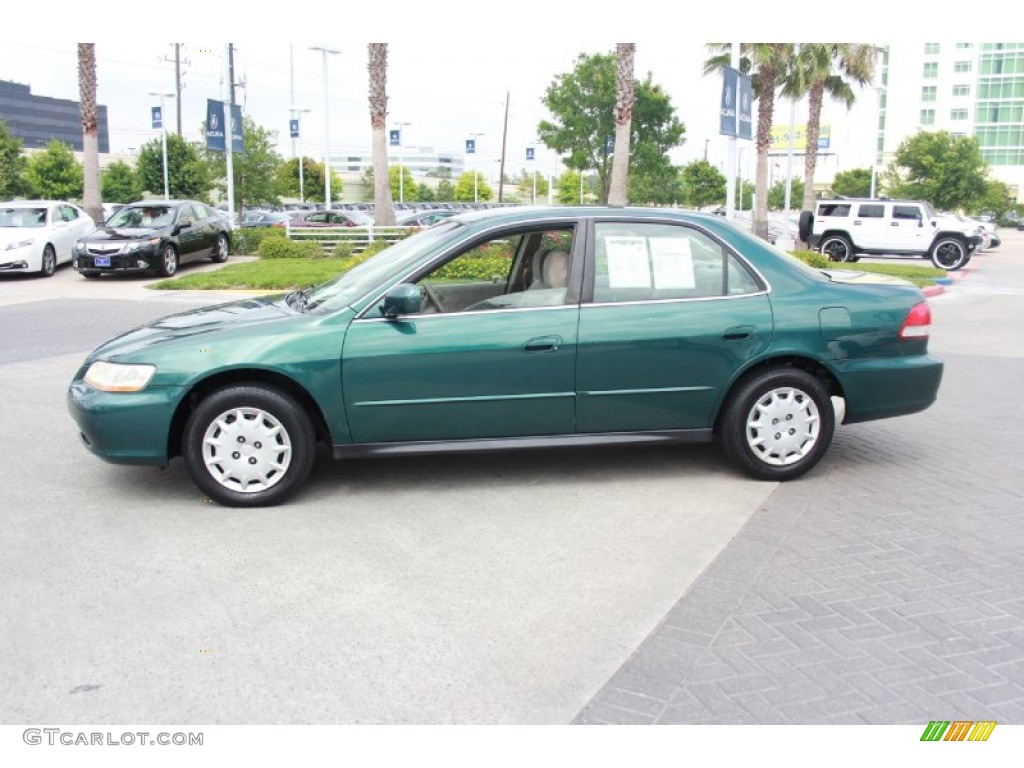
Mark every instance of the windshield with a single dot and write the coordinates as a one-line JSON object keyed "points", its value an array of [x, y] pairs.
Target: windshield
{"points": [[376, 271], [142, 217], [22, 217]]}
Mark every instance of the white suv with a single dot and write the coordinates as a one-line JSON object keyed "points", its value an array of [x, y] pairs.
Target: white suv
{"points": [[845, 229]]}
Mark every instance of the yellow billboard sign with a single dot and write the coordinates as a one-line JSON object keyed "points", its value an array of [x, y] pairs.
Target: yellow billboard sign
{"points": [[779, 141]]}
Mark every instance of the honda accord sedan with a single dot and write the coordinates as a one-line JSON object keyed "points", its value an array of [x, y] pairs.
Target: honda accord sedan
{"points": [[154, 236], [500, 329]]}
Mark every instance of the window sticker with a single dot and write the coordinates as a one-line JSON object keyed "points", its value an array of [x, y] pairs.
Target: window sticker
{"points": [[628, 266], [673, 262]]}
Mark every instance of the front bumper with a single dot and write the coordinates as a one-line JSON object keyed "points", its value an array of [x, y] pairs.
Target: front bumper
{"points": [[143, 260], [125, 427]]}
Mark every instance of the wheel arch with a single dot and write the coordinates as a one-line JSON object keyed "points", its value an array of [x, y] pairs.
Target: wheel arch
{"points": [[200, 389]]}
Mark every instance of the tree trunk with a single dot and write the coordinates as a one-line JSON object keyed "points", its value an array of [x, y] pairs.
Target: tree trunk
{"points": [[91, 199], [624, 98], [814, 98], [383, 207], [765, 112]]}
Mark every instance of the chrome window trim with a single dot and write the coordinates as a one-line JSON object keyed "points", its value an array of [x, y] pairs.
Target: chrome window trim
{"points": [[410, 318], [671, 301]]}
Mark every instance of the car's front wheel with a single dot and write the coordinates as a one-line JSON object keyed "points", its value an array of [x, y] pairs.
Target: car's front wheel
{"points": [[220, 250], [49, 261], [168, 261], [950, 253], [837, 248], [249, 446], [778, 424]]}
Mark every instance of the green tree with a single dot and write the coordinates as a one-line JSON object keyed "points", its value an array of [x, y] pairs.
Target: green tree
{"points": [[745, 196], [703, 184], [13, 165], [188, 176], [408, 192], [465, 189], [777, 194], [853, 183], [424, 193], [947, 171], [120, 183], [287, 180], [997, 199], [524, 183], [445, 191], [255, 168], [582, 106], [54, 173], [659, 185]]}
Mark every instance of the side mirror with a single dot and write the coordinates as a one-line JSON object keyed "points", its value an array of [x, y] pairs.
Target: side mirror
{"points": [[402, 299]]}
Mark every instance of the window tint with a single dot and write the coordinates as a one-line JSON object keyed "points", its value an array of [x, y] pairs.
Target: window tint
{"points": [[186, 215], [871, 211], [834, 209], [906, 212], [201, 211], [652, 262], [68, 213]]}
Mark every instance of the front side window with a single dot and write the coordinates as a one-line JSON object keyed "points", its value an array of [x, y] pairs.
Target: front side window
{"points": [[186, 216], [68, 213], [514, 270], [906, 212], [656, 262]]}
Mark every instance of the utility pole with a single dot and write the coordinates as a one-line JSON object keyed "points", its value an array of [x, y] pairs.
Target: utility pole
{"points": [[231, 73], [504, 140], [178, 86]]}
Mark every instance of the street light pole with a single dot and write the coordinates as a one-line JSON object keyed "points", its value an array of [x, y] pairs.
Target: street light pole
{"points": [[163, 139], [401, 160], [476, 191], [327, 128], [295, 112]]}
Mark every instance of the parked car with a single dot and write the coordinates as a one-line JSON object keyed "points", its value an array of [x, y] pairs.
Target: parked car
{"points": [[517, 328], [844, 229], [264, 219], [38, 235], [154, 236], [422, 218], [332, 218]]}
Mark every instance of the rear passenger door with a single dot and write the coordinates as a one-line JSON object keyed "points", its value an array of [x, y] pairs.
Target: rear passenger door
{"points": [[668, 317]]}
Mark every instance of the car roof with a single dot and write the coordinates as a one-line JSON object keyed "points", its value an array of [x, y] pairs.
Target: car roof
{"points": [[528, 213], [34, 203]]}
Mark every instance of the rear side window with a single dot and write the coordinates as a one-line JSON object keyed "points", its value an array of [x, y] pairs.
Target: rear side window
{"points": [[870, 211], [834, 209], [906, 212]]}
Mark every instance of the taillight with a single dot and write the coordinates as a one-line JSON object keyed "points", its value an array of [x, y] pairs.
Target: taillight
{"points": [[918, 323]]}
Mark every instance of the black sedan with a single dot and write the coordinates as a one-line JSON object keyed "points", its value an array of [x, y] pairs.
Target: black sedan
{"points": [[155, 236]]}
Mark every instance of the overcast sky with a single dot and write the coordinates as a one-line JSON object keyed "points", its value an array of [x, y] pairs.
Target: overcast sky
{"points": [[450, 65]]}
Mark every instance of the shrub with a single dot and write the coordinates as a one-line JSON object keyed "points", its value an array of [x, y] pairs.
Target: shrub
{"points": [[375, 247], [283, 248], [477, 268], [247, 241], [343, 249], [812, 259]]}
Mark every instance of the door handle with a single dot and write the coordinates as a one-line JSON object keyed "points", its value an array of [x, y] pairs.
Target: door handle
{"points": [[894, 224], [856, 223], [543, 344], [738, 333]]}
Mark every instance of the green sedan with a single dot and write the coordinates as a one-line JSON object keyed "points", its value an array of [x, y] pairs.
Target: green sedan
{"points": [[517, 328]]}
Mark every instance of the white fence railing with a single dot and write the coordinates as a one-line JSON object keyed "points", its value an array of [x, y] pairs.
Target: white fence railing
{"points": [[359, 237]]}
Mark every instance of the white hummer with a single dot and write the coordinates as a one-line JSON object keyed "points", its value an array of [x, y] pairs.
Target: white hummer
{"points": [[845, 229]]}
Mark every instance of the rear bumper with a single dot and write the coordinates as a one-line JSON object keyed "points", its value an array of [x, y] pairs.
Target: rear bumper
{"points": [[884, 387]]}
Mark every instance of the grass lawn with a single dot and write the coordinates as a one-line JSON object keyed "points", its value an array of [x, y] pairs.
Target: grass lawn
{"points": [[264, 274]]}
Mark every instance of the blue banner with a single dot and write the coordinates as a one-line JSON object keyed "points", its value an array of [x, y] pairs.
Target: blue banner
{"points": [[215, 127], [470, 146], [529, 153], [293, 127], [158, 119], [727, 112], [746, 100], [396, 138]]}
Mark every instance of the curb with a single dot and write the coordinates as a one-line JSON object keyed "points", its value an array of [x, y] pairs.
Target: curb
{"points": [[951, 279]]}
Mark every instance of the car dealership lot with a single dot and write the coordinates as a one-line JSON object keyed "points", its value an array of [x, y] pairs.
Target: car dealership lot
{"points": [[502, 587]]}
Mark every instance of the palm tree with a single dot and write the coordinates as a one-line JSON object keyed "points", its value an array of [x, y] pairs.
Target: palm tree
{"points": [[384, 209], [625, 95], [830, 68], [92, 202], [767, 64]]}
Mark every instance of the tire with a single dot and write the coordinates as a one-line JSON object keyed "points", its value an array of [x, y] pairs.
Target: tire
{"points": [[949, 253], [243, 414], [168, 261], [779, 396], [49, 262], [220, 250], [806, 225], [837, 248]]}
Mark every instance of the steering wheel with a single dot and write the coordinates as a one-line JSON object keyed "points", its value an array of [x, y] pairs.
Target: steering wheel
{"points": [[429, 291]]}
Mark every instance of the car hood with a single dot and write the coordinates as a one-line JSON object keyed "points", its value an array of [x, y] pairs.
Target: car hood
{"points": [[107, 233], [17, 234], [196, 322]]}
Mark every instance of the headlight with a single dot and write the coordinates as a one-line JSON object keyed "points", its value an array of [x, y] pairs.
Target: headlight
{"points": [[115, 377], [19, 244], [80, 247], [140, 244]]}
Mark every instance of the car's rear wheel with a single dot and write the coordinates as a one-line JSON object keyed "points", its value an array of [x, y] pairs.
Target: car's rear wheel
{"points": [[837, 248], [777, 424], [168, 261], [220, 250], [949, 253], [49, 262], [249, 446]]}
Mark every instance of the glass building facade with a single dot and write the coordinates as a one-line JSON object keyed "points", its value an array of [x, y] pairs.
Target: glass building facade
{"points": [[999, 103], [36, 120]]}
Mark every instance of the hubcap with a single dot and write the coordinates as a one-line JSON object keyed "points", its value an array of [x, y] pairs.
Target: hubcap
{"points": [[783, 426], [247, 450], [949, 254], [836, 250], [49, 262], [169, 261], [222, 247]]}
